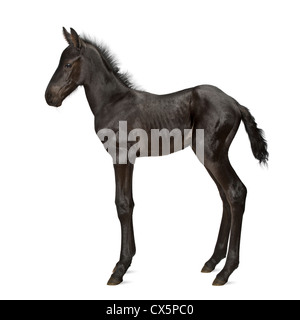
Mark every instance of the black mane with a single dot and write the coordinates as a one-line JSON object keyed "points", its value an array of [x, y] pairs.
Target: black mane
{"points": [[111, 62]]}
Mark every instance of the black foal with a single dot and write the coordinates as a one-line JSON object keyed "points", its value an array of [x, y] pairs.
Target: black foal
{"points": [[134, 123]]}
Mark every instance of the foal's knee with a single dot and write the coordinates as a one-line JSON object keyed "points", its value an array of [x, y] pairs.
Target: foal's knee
{"points": [[124, 207]]}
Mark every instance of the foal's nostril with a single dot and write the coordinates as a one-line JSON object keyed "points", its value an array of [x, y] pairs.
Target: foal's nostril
{"points": [[52, 99], [48, 96]]}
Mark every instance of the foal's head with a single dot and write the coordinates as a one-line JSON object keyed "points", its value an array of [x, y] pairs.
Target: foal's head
{"points": [[69, 73]]}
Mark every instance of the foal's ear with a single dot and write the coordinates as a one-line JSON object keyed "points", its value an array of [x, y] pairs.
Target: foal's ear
{"points": [[73, 38]]}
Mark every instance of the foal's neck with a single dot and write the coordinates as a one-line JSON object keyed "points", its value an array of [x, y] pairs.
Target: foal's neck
{"points": [[102, 87]]}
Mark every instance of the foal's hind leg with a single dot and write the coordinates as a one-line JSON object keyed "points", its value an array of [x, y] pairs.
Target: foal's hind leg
{"points": [[222, 241], [235, 193]]}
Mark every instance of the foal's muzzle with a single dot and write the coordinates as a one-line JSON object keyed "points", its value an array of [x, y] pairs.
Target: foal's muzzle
{"points": [[52, 100]]}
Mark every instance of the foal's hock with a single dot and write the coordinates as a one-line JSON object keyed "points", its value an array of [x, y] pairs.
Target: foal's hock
{"points": [[121, 111]]}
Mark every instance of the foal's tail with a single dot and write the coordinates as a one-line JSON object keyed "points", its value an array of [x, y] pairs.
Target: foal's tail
{"points": [[256, 136]]}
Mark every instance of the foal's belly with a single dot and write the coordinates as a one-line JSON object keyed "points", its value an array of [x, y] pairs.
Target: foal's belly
{"points": [[167, 122]]}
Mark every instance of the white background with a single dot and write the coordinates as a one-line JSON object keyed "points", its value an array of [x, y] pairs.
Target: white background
{"points": [[59, 231]]}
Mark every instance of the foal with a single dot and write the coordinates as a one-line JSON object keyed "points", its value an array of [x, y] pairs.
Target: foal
{"points": [[113, 100]]}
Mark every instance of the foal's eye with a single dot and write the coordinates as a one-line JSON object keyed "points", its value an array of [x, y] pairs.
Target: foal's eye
{"points": [[68, 65]]}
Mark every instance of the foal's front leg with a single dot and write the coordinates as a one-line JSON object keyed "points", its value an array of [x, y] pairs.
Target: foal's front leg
{"points": [[125, 204]]}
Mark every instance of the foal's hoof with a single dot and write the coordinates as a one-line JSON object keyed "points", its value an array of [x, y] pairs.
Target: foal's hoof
{"points": [[113, 282], [219, 282], [207, 269]]}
